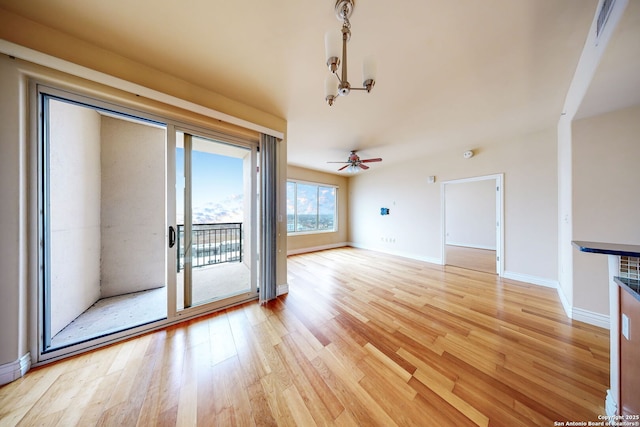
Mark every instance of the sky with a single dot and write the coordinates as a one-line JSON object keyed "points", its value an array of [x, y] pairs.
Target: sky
{"points": [[217, 187], [310, 199]]}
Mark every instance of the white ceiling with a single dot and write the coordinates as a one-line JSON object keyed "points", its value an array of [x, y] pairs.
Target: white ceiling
{"points": [[451, 74], [616, 83]]}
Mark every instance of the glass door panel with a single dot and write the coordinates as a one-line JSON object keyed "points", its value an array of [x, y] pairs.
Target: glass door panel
{"points": [[103, 227], [214, 216]]}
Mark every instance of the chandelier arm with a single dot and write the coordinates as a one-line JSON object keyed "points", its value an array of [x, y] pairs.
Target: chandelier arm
{"points": [[345, 39], [343, 9]]}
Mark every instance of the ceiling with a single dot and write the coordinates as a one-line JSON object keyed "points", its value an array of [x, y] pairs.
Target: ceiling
{"points": [[452, 74]]}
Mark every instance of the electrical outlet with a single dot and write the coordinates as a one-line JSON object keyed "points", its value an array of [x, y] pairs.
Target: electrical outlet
{"points": [[625, 326]]}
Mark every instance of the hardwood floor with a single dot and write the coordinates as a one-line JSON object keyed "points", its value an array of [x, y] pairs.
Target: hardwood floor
{"points": [[361, 339], [474, 259]]}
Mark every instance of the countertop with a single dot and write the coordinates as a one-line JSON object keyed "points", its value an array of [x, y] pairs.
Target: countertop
{"points": [[608, 248], [630, 285]]}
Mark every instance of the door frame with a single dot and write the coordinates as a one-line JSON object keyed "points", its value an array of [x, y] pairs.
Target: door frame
{"points": [[196, 310], [499, 181], [38, 271]]}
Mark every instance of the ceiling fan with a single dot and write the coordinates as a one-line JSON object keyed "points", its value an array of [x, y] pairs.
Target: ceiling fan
{"points": [[354, 163]]}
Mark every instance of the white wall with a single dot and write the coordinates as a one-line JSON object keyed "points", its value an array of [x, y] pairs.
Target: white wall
{"points": [[565, 215], [470, 214], [75, 211], [133, 207], [14, 161], [413, 227], [606, 175]]}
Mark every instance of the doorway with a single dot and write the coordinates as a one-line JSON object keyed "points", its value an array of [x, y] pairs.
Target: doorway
{"points": [[103, 197], [472, 232], [216, 221], [142, 221]]}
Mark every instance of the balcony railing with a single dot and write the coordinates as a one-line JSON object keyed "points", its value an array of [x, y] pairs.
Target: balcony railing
{"points": [[211, 244]]}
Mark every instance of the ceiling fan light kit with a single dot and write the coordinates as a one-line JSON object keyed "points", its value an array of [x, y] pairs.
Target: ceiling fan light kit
{"points": [[355, 164], [337, 84]]}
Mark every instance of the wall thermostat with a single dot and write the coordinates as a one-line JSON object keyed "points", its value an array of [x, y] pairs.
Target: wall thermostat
{"points": [[467, 154]]}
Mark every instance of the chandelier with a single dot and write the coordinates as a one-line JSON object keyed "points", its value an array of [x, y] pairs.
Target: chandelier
{"points": [[339, 85]]}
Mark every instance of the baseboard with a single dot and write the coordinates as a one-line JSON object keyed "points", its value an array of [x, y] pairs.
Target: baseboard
{"points": [[282, 289], [430, 260], [565, 303], [534, 280], [590, 317], [316, 248], [610, 405], [12, 371], [470, 245]]}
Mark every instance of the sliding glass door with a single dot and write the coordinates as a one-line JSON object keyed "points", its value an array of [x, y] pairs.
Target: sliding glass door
{"points": [[103, 197], [215, 218], [141, 221]]}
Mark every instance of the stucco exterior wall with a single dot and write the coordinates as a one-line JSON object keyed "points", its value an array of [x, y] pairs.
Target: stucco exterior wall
{"points": [[133, 207], [75, 211]]}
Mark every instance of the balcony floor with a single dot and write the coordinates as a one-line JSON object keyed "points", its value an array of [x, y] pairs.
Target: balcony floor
{"points": [[108, 315]]}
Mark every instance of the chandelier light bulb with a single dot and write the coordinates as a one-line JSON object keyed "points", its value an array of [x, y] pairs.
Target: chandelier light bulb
{"points": [[369, 71], [369, 68], [330, 88], [330, 85], [332, 44]]}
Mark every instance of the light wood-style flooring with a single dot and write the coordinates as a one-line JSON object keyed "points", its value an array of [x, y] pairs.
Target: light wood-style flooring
{"points": [[362, 339], [471, 258]]}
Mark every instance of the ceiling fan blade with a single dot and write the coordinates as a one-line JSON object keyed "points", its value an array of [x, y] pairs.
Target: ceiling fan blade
{"points": [[338, 162], [378, 159], [365, 167], [344, 167]]}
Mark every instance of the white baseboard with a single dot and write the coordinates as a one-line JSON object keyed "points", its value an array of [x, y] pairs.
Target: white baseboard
{"points": [[282, 289], [471, 245], [316, 248], [586, 316], [534, 280], [590, 317], [610, 405], [12, 371], [565, 303], [400, 254]]}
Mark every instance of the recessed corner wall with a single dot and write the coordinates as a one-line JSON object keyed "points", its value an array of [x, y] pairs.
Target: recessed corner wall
{"points": [[74, 175], [133, 207], [308, 242], [606, 174]]}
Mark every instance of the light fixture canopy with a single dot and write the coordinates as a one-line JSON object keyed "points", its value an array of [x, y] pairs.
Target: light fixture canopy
{"points": [[344, 9]]}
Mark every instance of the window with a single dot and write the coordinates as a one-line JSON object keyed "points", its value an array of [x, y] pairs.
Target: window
{"points": [[311, 208]]}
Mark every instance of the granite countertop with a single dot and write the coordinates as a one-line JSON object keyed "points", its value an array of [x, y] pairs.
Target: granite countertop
{"points": [[630, 285], [608, 248]]}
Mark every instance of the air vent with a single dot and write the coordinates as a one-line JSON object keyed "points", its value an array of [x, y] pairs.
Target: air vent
{"points": [[603, 15]]}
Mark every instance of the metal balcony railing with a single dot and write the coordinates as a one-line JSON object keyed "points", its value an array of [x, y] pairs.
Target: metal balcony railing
{"points": [[211, 244]]}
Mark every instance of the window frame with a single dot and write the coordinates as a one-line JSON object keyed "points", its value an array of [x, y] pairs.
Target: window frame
{"points": [[295, 206]]}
